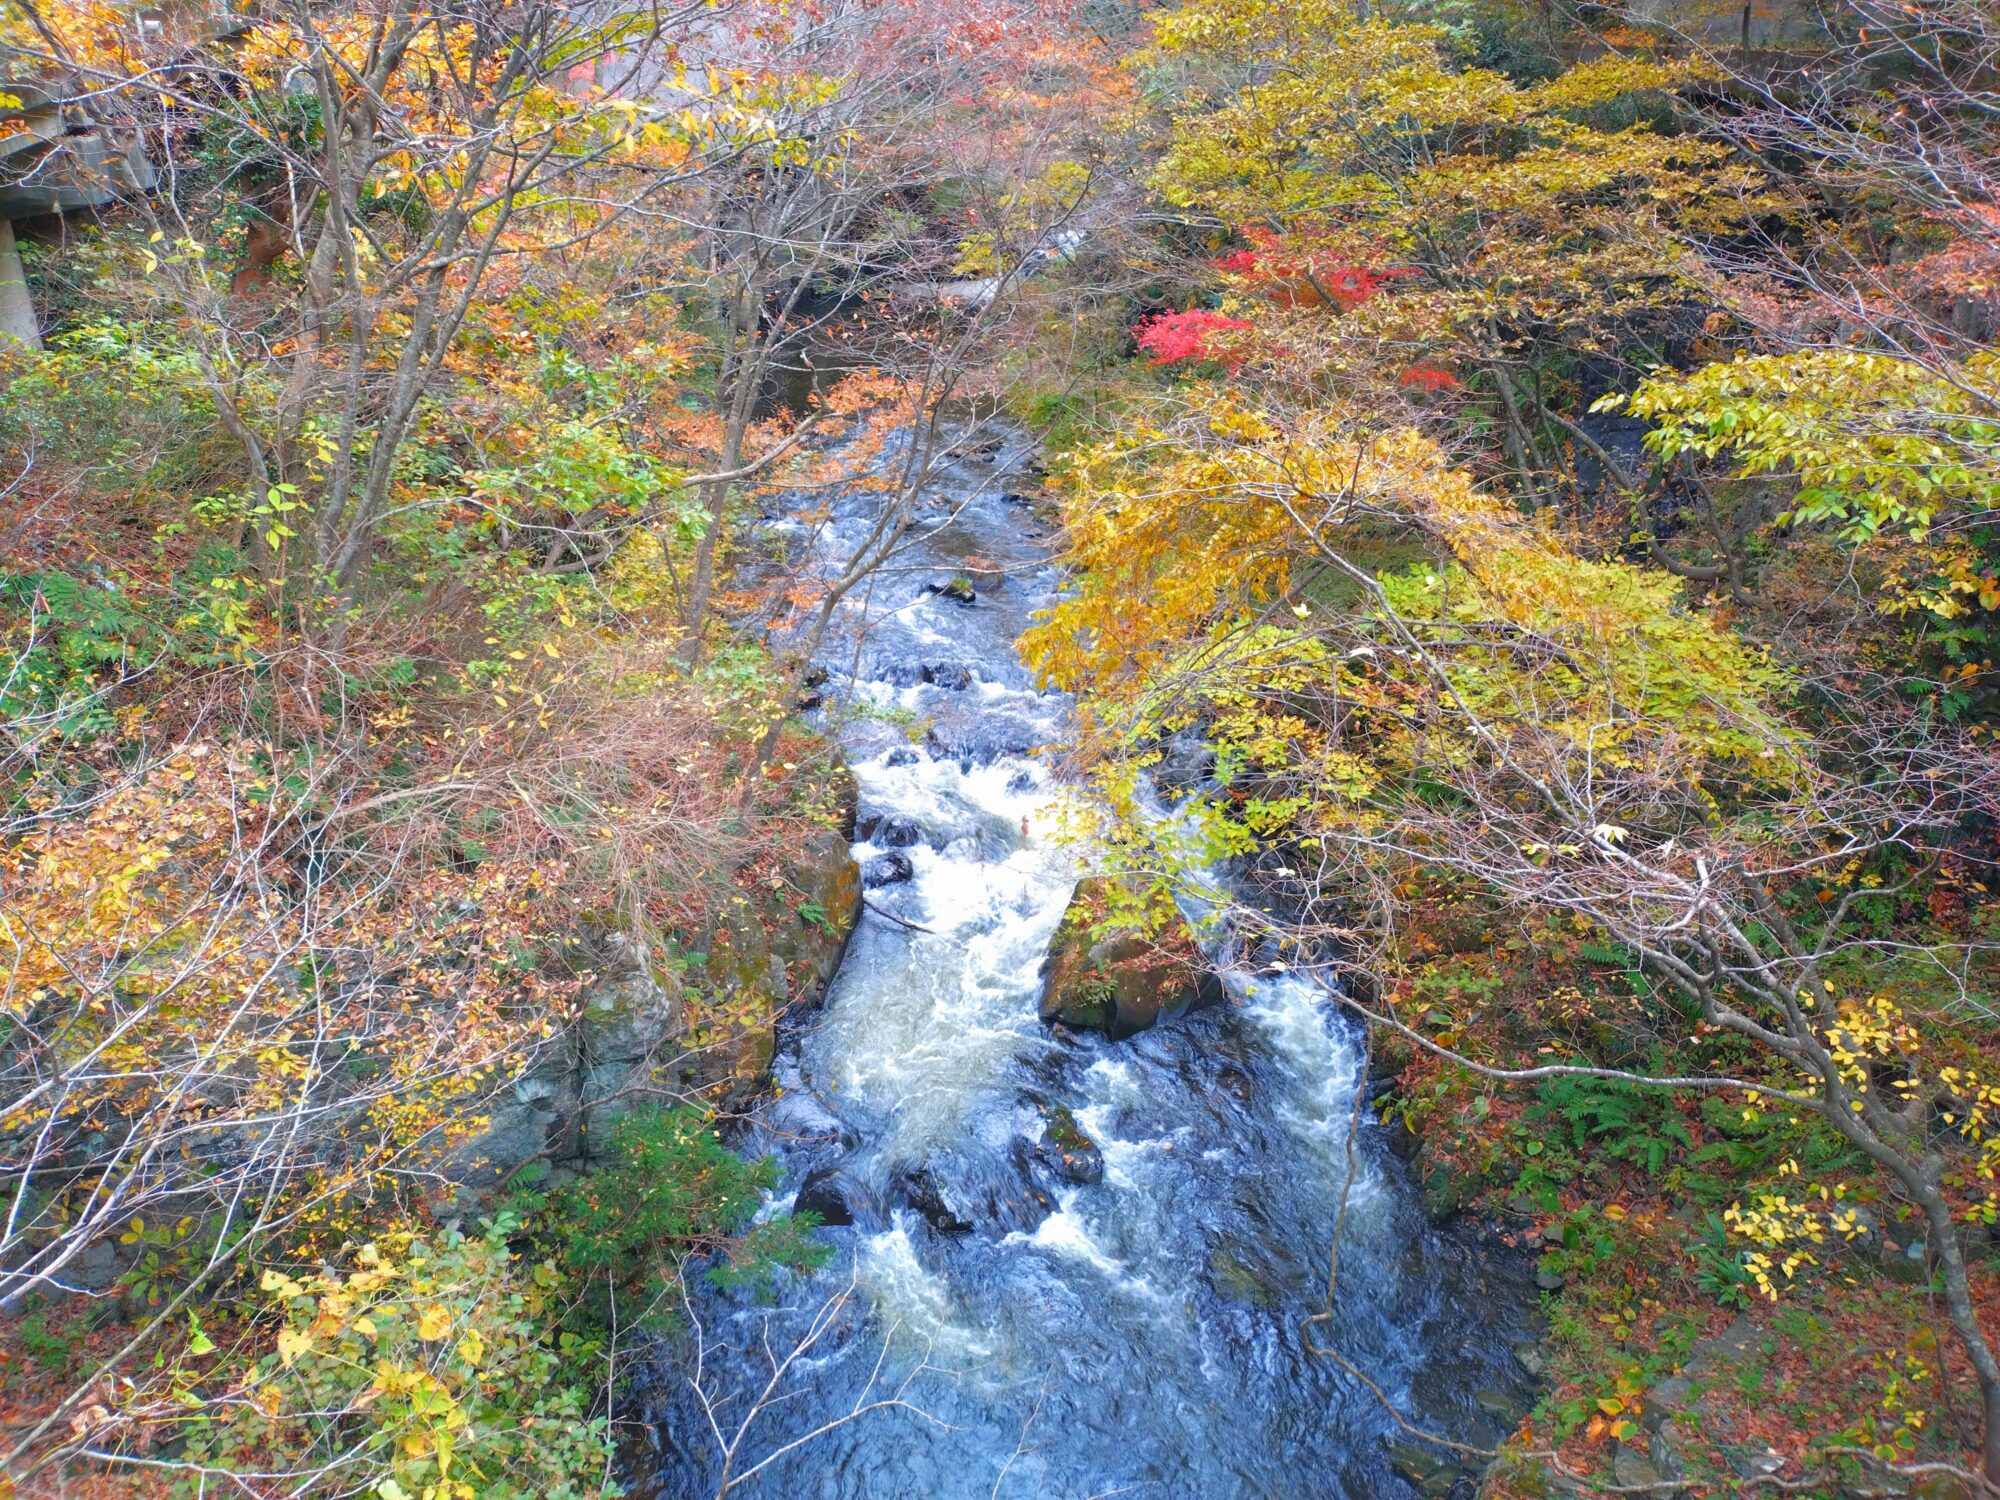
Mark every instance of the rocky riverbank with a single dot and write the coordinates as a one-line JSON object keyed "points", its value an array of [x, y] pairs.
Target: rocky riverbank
{"points": [[701, 1022]]}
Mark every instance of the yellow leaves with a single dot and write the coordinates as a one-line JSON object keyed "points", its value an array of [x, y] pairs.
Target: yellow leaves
{"points": [[1355, 118], [292, 1342], [434, 1322], [1616, 1411], [1174, 527], [1875, 443]]}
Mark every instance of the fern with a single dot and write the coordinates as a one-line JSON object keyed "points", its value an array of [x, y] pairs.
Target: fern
{"points": [[1627, 1121], [65, 641]]}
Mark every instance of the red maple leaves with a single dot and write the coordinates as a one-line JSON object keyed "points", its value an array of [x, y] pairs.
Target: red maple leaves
{"points": [[1171, 338]]}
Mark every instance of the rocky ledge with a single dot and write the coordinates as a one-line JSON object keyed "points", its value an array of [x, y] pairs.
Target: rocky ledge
{"points": [[659, 1029]]}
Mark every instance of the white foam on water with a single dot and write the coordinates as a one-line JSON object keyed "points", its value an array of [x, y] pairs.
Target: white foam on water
{"points": [[905, 1292], [1068, 1235], [1323, 1071], [924, 1032]]}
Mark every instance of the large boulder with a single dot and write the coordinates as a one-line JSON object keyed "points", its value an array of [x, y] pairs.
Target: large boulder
{"points": [[892, 868], [1120, 980], [772, 946], [969, 729], [922, 1189], [837, 1199]]}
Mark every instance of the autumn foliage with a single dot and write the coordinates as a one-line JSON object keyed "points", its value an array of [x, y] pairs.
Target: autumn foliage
{"points": [[1566, 521]]}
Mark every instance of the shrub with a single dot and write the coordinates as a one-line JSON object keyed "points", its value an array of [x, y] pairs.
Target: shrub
{"points": [[423, 1369], [672, 1190], [1624, 1120]]}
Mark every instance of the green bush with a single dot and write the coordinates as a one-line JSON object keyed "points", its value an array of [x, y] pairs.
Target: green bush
{"points": [[122, 402], [1628, 1121], [672, 1190], [424, 1368], [66, 640]]}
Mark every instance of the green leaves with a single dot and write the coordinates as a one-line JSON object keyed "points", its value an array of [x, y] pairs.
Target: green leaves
{"points": [[672, 1189], [67, 640], [1871, 441], [431, 1362], [1624, 1120]]}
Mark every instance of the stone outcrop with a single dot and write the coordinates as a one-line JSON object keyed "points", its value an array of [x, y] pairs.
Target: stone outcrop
{"points": [[1073, 1153], [1120, 981], [648, 1031]]}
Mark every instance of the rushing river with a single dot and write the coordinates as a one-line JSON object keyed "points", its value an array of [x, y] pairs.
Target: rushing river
{"points": [[1137, 1335]]}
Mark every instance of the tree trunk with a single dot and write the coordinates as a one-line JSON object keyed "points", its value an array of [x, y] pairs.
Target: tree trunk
{"points": [[1964, 1316]]}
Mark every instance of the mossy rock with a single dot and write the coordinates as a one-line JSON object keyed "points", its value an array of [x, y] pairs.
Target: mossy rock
{"points": [[771, 951], [646, 1029], [1076, 1154], [1120, 981], [1236, 1279], [1442, 1194]]}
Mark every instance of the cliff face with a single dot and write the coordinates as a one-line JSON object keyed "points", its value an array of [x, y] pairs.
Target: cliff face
{"points": [[702, 1027]]}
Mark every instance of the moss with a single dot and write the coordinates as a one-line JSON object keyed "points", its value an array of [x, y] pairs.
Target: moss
{"points": [[1121, 981], [1065, 1134]]}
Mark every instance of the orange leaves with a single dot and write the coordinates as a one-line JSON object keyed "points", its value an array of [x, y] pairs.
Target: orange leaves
{"points": [[91, 32]]}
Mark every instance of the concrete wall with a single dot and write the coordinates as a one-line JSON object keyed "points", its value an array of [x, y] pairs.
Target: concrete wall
{"points": [[17, 312]]}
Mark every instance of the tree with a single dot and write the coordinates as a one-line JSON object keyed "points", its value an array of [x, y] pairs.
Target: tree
{"points": [[394, 156], [1468, 228], [1437, 703], [1533, 730], [819, 244]]}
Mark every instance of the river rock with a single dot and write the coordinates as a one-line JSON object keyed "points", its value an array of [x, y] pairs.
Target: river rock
{"points": [[1441, 1195], [953, 676], [894, 672], [1237, 1278], [1188, 762], [1902, 1254], [1120, 982], [1076, 1154], [1431, 1472], [904, 756], [1016, 1200], [959, 590], [891, 832], [1940, 1487], [1403, 1143], [964, 730], [837, 1198], [627, 1044], [1236, 1083], [887, 869], [803, 1119], [920, 1189], [1633, 1468], [1682, 1397]]}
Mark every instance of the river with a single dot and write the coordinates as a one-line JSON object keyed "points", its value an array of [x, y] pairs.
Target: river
{"points": [[1007, 1332]]}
